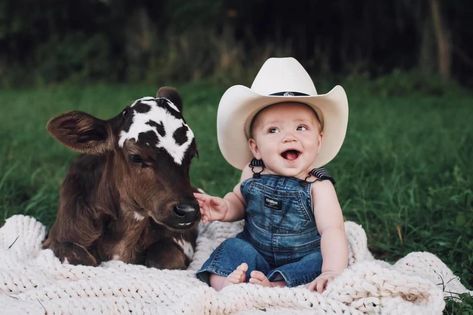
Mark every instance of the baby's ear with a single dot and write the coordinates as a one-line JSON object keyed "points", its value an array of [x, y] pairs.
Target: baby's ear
{"points": [[320, 138], [254, 148]]}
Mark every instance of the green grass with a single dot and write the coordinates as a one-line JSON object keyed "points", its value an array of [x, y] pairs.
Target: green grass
{"points": [[405, 171]]}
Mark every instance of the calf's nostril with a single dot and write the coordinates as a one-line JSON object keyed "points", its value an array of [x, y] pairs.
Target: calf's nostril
{"points": [[184, 210]]}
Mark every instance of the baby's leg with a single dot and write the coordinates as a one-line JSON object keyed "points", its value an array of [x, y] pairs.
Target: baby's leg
{"points": [[299, 272], [257, 277], [235, 255], [237, 276]]}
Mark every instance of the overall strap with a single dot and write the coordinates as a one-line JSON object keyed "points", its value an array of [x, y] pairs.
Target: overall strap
{"points": [[319, 174], [257, 164]]}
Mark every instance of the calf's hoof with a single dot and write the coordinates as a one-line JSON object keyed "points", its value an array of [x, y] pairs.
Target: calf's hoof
{"points": [[74, 254]]}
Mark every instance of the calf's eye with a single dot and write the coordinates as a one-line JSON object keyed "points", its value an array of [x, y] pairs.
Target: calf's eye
{"points": [[135, 158]]}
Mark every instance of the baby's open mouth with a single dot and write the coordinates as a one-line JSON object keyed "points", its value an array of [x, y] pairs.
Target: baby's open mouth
{"points": [[290, 155]]}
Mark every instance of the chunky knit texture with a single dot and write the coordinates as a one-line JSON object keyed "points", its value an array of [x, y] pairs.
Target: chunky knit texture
{"points": [[33, 281]]}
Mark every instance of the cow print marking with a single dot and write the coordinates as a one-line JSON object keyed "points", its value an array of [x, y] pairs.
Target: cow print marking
{"points": [[158, 122], [142, 108], [159, 127], [180, 135], [149, 138]]}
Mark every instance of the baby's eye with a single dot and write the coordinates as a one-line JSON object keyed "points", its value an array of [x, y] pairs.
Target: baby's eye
{"points": [[302, 128], [273, 130]]}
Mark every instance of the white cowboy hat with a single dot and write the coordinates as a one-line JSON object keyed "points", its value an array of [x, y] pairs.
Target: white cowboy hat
{"points": [[279, 80]]}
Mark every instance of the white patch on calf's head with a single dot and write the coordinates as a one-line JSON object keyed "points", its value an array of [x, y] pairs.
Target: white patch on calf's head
{"points": [[143, 122]]}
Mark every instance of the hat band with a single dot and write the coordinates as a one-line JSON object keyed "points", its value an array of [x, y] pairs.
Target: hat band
{"points": [[289, 93]]}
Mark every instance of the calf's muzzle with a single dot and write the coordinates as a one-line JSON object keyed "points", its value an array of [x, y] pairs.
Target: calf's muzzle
{"points": [[184, 214]]}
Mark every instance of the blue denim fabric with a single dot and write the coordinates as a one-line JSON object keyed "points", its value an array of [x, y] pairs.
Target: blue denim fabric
{"points": [[280, 237]]}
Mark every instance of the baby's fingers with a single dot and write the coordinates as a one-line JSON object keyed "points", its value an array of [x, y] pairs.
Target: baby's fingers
{"points": [[210, 201], [204, 211], [203, 208], [216, 203], [205, 217], [321, 285], [311, 286], [201, 197]]}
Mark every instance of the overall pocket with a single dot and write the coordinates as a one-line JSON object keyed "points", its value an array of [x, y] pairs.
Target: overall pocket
{"points": [[278, 211]]}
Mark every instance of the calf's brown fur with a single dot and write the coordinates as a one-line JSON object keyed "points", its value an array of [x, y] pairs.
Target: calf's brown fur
{"points": [[131, 202]]}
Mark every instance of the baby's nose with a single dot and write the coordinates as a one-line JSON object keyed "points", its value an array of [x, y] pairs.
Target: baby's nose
{"points": [[289, 137]]}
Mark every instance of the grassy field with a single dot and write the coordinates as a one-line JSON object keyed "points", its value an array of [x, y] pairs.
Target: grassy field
{"points": [[405, 171]]}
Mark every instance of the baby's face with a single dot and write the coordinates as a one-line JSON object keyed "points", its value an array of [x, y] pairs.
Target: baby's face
{"points": [[287, 138]]}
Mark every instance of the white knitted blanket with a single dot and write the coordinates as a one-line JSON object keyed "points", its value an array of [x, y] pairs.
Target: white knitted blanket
{"points": [[33, 281]]}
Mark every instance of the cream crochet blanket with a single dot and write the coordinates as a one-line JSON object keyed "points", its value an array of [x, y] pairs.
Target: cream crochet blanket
{"points": [[33, 281]]}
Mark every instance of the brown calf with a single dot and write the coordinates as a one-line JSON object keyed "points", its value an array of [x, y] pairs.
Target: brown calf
{"points": [[128, 196]]}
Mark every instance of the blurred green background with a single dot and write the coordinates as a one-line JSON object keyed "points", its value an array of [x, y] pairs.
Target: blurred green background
{"points": [[405, 171], [162, 40]]}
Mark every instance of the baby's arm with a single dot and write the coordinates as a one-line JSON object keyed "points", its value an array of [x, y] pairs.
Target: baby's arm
{"points": [[229, 208], [333, 242]]}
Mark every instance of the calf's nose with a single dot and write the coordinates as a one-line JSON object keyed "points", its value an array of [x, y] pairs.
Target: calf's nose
{"points": [[186, 212]]}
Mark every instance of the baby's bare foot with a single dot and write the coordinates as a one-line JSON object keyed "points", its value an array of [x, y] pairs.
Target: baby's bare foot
{"points": [[238, 275], [257, 277]]}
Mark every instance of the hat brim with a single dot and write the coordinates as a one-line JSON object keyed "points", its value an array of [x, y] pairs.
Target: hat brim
{"points": [[239, 105]]}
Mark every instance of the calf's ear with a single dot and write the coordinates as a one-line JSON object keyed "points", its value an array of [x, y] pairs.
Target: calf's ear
{"points": [[171, 94], [81, 132]]}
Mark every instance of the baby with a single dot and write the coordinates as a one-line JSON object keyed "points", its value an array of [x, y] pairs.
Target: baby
{"points": [[279, 133]]}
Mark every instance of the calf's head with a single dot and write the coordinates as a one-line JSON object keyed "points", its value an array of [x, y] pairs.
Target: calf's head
{"points": [[147, 150]]}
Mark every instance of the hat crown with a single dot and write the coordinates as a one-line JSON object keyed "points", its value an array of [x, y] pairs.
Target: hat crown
{"points": [[283, 75]]}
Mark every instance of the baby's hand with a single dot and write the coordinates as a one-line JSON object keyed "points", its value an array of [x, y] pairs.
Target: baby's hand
{"points": [[211, 208], [320, 283]]}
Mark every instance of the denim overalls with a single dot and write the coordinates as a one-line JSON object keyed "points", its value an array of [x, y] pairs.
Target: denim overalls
{"points": [[280, 237]]}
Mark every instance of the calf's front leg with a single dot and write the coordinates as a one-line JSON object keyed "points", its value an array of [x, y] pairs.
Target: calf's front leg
{"points": [[74, 254], [166, 254]]}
